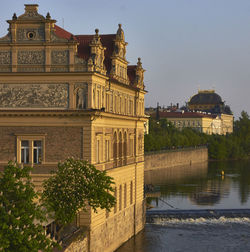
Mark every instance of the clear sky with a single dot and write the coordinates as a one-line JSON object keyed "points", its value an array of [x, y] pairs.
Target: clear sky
{"points": [[185, 45]]}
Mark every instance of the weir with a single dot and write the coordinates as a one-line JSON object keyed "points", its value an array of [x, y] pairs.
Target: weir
{"points": [[153, 215]]}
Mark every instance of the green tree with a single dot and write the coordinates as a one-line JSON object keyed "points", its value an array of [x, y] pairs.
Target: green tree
{"points": [[21, 216], [74, 186]]}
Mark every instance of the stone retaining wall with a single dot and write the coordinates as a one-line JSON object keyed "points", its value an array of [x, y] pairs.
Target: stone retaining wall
{"points": [[175, 158]]}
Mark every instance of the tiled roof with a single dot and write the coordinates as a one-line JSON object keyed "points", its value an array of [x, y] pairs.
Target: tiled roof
{"points": [[184, 115], [107, 41], [60, 32]]}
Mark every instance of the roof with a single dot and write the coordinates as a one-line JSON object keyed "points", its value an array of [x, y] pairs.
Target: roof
{"points": [[107, 41], [185, 115], [60, 32], [206, 97]]}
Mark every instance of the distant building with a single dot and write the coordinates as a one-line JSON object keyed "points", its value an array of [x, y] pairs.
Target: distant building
{"points": [[210, 102], [202, 122], [205, 112]]}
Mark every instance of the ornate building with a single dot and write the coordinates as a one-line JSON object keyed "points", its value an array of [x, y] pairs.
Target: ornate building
{"points": [[210, 102], [71, 95], [202, 122]]}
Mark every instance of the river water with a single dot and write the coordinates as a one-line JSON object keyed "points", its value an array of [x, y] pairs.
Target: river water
{"points": [[213, 185]]}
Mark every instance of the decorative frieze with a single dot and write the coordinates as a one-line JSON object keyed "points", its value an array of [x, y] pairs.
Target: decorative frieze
{"points": [[30, 57], [60, 57], [30, 35], [34, 95], [5, 57]]}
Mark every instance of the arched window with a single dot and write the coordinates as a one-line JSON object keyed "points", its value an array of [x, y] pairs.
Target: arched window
{"points": [[115, 149], [125, 144], [115, 195], [120, 148], [120, 198], [125, 195], [131, 192]]}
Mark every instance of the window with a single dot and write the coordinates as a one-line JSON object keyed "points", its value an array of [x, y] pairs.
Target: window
{"points": [[120, 198], [125, 195], [98, 99], [30, 149], [107, 150], [115, 195], [37, 152], [25, 152], [131, 192], [97, 151]]}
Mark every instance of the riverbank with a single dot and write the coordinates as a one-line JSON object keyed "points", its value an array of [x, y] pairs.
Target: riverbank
{"points": [[176, 157]]}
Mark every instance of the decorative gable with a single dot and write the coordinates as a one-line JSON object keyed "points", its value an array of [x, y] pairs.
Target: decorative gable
{"points": [[118, 58], [96, 59]]}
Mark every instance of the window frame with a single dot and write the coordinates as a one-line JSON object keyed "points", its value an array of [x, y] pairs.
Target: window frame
{"points": [[30, 138]]}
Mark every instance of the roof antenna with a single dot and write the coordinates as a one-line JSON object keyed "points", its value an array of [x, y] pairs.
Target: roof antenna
{"points": [[63, 23]]}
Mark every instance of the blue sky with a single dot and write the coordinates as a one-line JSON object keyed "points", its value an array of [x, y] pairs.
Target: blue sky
{"points": [[184, 44]]}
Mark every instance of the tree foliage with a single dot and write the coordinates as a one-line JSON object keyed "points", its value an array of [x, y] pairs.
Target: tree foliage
{"points": [[163, 135], [21, 216], [74, 186]]}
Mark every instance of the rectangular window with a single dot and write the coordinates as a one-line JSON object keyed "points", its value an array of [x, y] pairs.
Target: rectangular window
{"points": [[115, 195], [25, 152], [98, 99], [98, 151], [120, 198], [37, 152], [107, 150], [131, 192], [31, 149], [125, 195]]}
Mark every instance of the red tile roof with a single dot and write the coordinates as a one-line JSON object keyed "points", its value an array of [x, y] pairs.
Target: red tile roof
{"points": [[60, 32], [107, 41], [184, 115]]}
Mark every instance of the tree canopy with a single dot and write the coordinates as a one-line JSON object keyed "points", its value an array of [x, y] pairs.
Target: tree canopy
{"points": [[163, 135], [74, 186], [21, 216]]}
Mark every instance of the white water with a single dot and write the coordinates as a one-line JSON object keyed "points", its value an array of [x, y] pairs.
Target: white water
{"points": [[202, 221]]}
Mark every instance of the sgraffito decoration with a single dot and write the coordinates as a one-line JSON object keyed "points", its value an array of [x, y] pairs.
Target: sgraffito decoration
{"points": [[34, 95]]}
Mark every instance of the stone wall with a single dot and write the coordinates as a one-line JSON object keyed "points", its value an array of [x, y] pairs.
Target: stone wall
{"points": [[80, 245], [175, 158], [60, 142], [117, 229]]}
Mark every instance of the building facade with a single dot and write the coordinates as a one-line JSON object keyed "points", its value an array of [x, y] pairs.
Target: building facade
{"points": [[202, 122], [210, 102], [65, 95]]}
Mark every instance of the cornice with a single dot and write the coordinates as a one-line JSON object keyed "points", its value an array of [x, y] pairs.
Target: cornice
{"points": [[43, 113]]}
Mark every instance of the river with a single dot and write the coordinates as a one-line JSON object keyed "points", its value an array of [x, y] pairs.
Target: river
{"points": [[213, 185]]}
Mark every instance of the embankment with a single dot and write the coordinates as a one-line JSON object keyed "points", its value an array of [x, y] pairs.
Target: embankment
{"points": [[172, 158]]}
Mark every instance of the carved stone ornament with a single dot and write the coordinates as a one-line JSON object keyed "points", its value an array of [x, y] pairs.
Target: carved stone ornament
{"points": [[30, 35], [81, 90], [5, 57], [30, 57], [31, 13], [34, 95], [60, 57]]}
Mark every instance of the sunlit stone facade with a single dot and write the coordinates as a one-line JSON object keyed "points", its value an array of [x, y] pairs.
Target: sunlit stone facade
{"points": [[65, 95]]}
